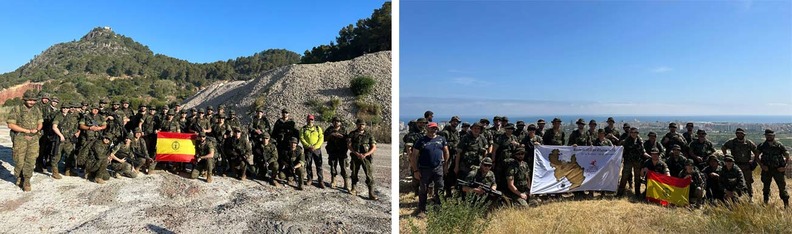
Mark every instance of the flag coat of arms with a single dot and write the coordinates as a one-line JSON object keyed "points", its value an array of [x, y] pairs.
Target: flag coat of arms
{"points": [[175, 147], [665, 190]]}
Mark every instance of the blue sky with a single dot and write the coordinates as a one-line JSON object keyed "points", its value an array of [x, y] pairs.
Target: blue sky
{"points": [[596, 57], [197, 31]]}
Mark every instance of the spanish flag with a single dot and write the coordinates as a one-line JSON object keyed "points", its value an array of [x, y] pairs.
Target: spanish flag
{"points": [[666, 190], [175, 147]]}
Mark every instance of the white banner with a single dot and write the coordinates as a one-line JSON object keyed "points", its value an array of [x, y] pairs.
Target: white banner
{"points": [[560, 169]]}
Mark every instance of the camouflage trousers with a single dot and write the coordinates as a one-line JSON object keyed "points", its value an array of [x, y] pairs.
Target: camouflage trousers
{"points": [[201, 167], [84, 150], [338, 160], [125, 169], [774, 174], [96, 167], [631, 170], [238, 166], [262, 169], [748, 176], [25, 152], [289, 172], [357, 163], [66, 151]]}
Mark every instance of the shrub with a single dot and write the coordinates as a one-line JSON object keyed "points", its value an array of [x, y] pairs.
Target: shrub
{"points": [[456, 215], [362, 85]]}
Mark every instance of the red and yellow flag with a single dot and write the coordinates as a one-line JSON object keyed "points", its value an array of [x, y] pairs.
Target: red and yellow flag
{"points": [[175, 147], [664, 190]]}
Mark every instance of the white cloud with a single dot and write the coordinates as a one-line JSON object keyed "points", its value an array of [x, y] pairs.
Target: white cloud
{"points": [[662, 69]]}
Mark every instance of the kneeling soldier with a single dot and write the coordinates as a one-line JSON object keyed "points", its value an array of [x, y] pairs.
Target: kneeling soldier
{"points": [[732, 180], [204, 158], [267, 160], [120, 154], [519, 178], [696, 193], [97, 160], [292, 166]]}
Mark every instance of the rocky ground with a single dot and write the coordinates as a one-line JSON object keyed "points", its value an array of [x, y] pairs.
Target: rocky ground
{"points": [[169, 203]]}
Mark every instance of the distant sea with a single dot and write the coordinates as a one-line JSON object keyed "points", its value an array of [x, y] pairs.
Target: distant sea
{"points": [[626, 118]]}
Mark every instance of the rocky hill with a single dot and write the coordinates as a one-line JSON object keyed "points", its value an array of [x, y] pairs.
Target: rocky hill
{"points": [[294, 87]]}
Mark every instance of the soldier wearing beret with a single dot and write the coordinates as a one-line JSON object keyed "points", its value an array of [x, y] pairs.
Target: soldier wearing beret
{"points": [[25, 122], [772, 157], [742, 149]]}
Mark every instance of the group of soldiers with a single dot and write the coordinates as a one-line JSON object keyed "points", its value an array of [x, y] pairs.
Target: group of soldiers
{"points": [[501, 157], [111, 139]]}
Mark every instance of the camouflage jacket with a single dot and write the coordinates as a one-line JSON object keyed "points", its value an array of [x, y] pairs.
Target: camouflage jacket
{"points": [[170, 126], [773, 154], [361, 141], [701, 149], [676, 164], [659, 167], [673, 138], [138, 147], [648, 145], [471, 150], [268, 154], [740, 149], [519, 171], [578, 138], [261, 124], [149, 124], [123, 151], [67, 124], [27, 118], [696, 179], [475, 175], [294, 157], [554, 138], [603, 142], [733, 179], [505, 148], [633, 150], [452, 136], [92, 120], [203, 149]]}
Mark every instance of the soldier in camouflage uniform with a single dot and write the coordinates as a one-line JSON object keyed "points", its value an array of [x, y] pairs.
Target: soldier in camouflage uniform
{"points": [[772, 156], [201, 123], [487, 135], [540, 127], [170, 124], [530, 142], [452, 137], [742, 148], [238, 153], [115, 119], [578, 137], [611, 132], [653, 143], [362, 146], [128, 111], [504, 146], [92, 124], [495, 131], [266, 159], [712, 174], [696, 192], [654, 164], [220, 131], [183, 122], [96, 164], [518, 179], [49, 141], [471, 149], [233, 120], [591, 133], [149, 126], [675, 138], [416, 131], [141, 157], [556, 135], [204, 158], [689, 135], [634, 155], [283, 130], [465, 129], [64, 126], [676, 162], [520, 132], [291, 163], [601, 139], [731, 179], [337, 157], [120, 155], [25, 122], [701, 148], [626, 127], [259, 125], [481, 174]]}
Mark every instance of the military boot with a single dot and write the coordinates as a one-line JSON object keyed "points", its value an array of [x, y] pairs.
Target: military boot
{"points": [[26, 185], [786, 203], [244, 175], [19, 181], [353, 191], [371, 193], [274, 182], [321, 184], [766, 198], [99, 181], [68, 172], [332, 182], [346, 184], [208, 177], [56, 174]]}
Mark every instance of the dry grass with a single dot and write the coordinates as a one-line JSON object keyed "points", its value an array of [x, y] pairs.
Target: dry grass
{"points": [[623, 215]]}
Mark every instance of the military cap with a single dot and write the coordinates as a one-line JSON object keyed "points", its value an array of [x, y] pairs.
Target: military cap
{"points": [[520, 123], [104, 101], [130, 136], [728, 158], [626, 125], [260, 109], [651, 133], [221, 115], [210, 107], [66, 105], [701, 132], [672, 125], [201, 110], [504, 118], [486, 161], [221, 107], [45, 95], [152, 107], [428, 113], [610, 120], [689, 162], [29, 95], [107, 136], [496, 118], [294, 140], [540, 121], [193, 109], [519, 150], [284, 111], [484, 121], [455, 118], [556, 120], [94, 106], [432, 125], [166, 107], [739, 130], [124, 101], [421, 120], [170, 112], [138, 130], [201, 134], [116, 103], [592, 122], [178, 104], [182, 112], [465, 125], [236, 129], [676, 147], [600, 130], [509, 126], [531, 127], [581, 122], [360, 121], [265, 135], [84, 103], [712, 157], [689, 124], [336, 119], [769, 132], [654, 151], [55, 99], [232, 112], [477, 125]]}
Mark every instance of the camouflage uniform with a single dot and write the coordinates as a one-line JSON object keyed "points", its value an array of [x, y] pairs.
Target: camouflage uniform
{"points": [[266, 159], [206, 165], [475, 175], [603, 142], [140, 154], [578, 137], [239, 154], [452, 137], [503, 151], [171, 125], [649, 144], [68, 126], [732, 180], [337, 153], [362, 142], [551, 137], [96, 163], [529, 144], [471, 150], [220, 132], [149, 128], [701, 149], [520, 172], [123, 152], [88, 137], [289, 160], [282, 131], [674, 138], [26, 145], [742, 151], [676, 164], [713, 187], [260, 124], [697, 186], [773, 156], [633, 156]]}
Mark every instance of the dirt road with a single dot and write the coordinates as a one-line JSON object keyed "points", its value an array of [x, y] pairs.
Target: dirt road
{"points": [[168, 203]]}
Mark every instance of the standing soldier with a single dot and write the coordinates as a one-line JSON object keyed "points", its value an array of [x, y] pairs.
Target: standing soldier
{"points": [[121, 155], [452, 137], [170, 124], [335, 136], [96, 163], [362, 146], [115, 123], [634, 155], [611, 132], [25, 122], [505, 144], [601, 139], [233, 120], [741, 148], [578, 137], [520, 132], [471, 150], [673, 137], [64, 125], [465, 129], [540, 127], [291, 163], [266, 159], [220, 131], [653, 143], [204, 158], [772, 156], [183, 122], [495, 131], [688, 135], [701, 148], [283, 130], [592, 134], [47, 107], [312, 137], [149, 126], [556, 135], [91, 125], [258, 126], [128, 111], [731, 180], [519, 179]]}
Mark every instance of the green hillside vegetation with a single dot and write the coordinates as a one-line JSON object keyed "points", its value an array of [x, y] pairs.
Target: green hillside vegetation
{"points": [[366, 36]]}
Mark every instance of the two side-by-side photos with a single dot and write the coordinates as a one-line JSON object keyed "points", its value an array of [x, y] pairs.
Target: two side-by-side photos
{"points": [[396, 117]]}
